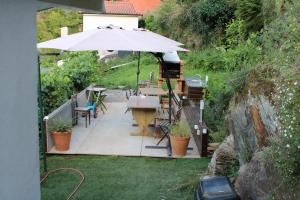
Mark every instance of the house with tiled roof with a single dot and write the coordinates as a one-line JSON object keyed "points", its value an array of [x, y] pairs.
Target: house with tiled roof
{"points": [[117, 13], [123, 13]]}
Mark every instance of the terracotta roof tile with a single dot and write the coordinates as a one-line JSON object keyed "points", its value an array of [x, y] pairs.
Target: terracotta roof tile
{"points": [[120, 8], [145, 6]]}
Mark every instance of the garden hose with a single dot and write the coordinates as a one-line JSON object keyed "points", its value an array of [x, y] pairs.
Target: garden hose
{"points": [[66, 169]]}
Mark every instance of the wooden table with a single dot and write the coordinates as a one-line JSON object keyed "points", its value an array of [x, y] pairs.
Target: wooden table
{"points": [[143, 110], [153, 91]]}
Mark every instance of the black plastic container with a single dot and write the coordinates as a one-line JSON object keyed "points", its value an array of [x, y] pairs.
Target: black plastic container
{"points": [[216, 188]]}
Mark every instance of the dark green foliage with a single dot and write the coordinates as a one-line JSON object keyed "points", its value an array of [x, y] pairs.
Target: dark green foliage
{"points": [[50, 22], [81, 68], [59, 83], [251, 12], [244, 55], [256, 13], [108, 177], [208, 59], [282, 39], [209, 15], [217, 101], [235, 33], [56, 89]]}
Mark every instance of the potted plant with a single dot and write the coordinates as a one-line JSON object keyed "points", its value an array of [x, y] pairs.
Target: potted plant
{"points": [[61, 134], [180, 138]]}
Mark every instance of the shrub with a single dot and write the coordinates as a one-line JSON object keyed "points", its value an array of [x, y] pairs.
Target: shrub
{"points": [[78, 71], [206, 16], [82, 69], [244, 55], [286, 150], [56, 89], [235, 33], [50, 22], [282, 39], [208, 59], [256, 13], [163, 19], [221, 132]]}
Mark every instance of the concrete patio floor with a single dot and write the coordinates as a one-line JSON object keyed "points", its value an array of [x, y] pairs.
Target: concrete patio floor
{"points": [[110, 134]]}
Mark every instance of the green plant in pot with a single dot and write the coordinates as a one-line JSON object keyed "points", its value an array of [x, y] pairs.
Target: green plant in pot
{"points": [[61, 131], [180, 137]]}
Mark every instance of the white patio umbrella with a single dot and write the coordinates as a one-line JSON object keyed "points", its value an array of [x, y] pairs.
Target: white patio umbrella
{"points": [[114, 38]]}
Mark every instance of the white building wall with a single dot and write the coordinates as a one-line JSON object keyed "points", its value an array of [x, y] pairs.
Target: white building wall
{"points": [[19, 151], [92, 21]]}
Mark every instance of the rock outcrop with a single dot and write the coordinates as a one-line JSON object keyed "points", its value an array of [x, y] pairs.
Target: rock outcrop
{"points": [[222, 158], [251, 121], [254, 180]]}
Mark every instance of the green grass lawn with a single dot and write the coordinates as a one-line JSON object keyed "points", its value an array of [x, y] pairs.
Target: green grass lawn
{"points": [[125, 178], [126, 75]]}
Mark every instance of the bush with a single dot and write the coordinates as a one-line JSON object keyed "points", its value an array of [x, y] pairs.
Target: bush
{"points": [[82, 69], [206, 16], [243, 56], [50, 22], [235, 33], [78, 71], [284, 150], [282, 39], [164, 18], [208, 59], [56, 89], [256, 13]]}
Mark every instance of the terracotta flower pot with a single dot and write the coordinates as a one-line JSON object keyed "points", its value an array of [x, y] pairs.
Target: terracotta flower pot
{"points": [[179, 145], [62, 140]]}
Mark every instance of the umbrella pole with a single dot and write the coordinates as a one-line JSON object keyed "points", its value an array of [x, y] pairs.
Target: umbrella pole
{"points": [[138, 73]]}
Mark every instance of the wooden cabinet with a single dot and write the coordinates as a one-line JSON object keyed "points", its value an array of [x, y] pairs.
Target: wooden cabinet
{"points": [[193, 88]]}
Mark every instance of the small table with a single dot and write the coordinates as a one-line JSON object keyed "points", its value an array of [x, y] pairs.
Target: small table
{"points": [[92, 105], [143, 111], [96, 89], [153, 91]]}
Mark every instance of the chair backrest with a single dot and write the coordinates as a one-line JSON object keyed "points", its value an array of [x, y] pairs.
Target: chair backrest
{"points": [[74, 104], [74, 101]]}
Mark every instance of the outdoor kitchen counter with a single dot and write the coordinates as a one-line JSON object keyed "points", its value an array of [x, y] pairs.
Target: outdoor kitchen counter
{"points": [[194, 88]]}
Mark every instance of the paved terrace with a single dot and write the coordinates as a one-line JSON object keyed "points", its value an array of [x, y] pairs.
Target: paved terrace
{"points": [[110, 134]]}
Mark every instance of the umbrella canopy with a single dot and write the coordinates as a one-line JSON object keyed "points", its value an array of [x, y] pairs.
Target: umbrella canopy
{"points": [[114, 38]]}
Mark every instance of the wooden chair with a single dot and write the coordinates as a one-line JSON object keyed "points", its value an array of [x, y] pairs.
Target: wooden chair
{"points": [[76, 110], [129, 92], [163, 116]]}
